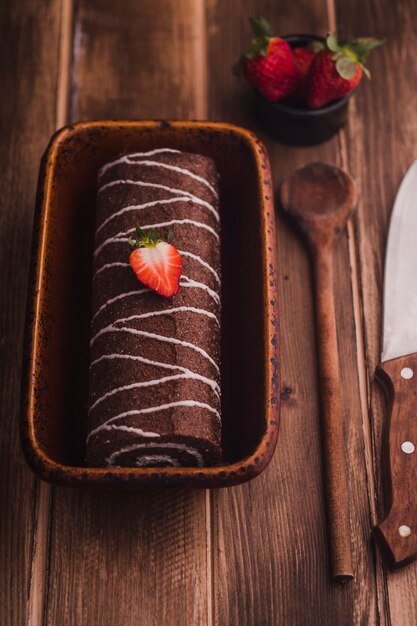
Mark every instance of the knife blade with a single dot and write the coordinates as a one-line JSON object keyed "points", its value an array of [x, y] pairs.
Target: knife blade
{"points": [[397, 532]]}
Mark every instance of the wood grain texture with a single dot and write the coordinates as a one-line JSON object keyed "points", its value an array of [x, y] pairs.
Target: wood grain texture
{"points": [[127, 558], [29, 54], [274, 527], [381, 144], [132, 558], [144, 61]]}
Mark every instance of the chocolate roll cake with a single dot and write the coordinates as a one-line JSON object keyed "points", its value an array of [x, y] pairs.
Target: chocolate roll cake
{"points": [[154, 387]]}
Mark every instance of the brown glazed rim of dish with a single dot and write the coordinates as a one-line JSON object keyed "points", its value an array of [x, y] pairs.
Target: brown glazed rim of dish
{"points": [[155, 478]]}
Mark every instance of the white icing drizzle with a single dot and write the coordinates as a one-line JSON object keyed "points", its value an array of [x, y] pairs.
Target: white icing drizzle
{"points": [[144, 333], [142, 183], [166, 312], [212, 383], [108, 266], [145, 383], [163, 407], [137, 207], [189, 282], [128, 429], [134, 207], [136, 154], [152, 409], [122, 236], [168, 445], [184, 221], [116, 239], [174, 168], [136, 292], [148, 459], [202, 262]]}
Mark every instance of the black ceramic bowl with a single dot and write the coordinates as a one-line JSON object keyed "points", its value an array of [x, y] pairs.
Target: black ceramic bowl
{"points": [[298, 125]]}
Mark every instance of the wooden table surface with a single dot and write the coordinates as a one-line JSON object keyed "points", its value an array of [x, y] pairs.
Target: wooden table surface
{"points": [[254, 554]]}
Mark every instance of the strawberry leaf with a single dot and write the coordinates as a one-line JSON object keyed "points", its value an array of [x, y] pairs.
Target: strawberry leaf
{"points": [[260, 26], [170, 236], [139, 232], [332, 43], [144, 240], [263, 30], [338, 55], [258, 47], [366, 71], [346, 67], [315, 46], [363, 46], [153, 235]]}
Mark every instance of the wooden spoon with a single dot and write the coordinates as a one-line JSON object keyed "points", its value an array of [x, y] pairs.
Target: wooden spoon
{"points": [[321, 199]]}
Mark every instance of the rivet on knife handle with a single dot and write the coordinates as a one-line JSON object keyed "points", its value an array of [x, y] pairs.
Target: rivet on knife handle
{"points": [[397, 533]]}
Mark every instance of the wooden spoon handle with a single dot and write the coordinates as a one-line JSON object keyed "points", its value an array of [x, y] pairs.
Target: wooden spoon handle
{"points": [[331, 419]]}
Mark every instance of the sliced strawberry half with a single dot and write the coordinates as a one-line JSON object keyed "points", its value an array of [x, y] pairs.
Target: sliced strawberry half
{"points": [[156, 263]]}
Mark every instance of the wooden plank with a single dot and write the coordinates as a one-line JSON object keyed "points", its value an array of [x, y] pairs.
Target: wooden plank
{"points": [[381, 144], [29, 53], [145, 61], [270, 552], [127, 558], [133, 558]]}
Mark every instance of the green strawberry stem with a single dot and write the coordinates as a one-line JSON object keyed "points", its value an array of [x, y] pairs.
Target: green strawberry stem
{"points": [[350, 53], [147, 240], [263, 33], [260, 26]]}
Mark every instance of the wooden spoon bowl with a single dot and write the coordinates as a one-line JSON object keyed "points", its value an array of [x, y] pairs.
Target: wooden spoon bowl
{"points": [[320, 198]]}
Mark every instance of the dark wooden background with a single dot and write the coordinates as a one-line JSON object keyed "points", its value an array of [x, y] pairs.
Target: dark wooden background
{"points": [[254, 554]]}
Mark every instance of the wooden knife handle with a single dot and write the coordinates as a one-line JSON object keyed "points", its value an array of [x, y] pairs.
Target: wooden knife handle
{"points": [[397, 533]]}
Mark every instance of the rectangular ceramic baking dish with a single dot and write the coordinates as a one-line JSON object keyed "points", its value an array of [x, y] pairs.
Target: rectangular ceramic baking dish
{"points": [[57, 329]]}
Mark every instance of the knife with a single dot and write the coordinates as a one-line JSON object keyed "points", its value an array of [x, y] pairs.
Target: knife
{"points": [[397, 533]]}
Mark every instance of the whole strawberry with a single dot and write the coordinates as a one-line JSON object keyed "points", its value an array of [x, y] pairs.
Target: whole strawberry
{"points": [[338, 69], [268, 64], [303, 58], [156, 263]]}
